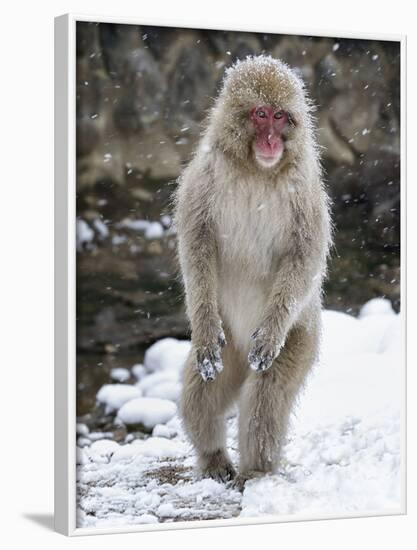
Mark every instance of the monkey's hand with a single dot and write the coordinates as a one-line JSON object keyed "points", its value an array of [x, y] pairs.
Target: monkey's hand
{"points": [[209, 360], [265, 348]]}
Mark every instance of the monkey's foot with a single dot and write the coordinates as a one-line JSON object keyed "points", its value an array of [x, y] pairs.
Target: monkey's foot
{"points": [[218, 466], [241, 479]]}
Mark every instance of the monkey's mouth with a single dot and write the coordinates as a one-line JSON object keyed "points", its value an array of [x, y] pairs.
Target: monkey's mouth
{"points": [[268, 161]]}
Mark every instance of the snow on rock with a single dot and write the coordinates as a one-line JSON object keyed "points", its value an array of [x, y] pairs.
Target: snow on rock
{"points": [[127, 453], [174, 424], [95, 436], [83, 441], [120, 374], [138, 371], [98, 452], [148, 411], [117, 240], [85, 234], [160, 447], [167, 510], [152, 380], [166, 390], [161, 430], [154, 231], [148, 499], [201, 488], [102, 448], [166, 220], [82, 429], [101, 228], [154, 447], [134, 225], [81, 456], [116, 395], [152, 478], [167, 353]]}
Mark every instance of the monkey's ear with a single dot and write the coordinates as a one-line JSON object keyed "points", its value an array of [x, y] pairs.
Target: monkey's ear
{"points": [[291, 120]]}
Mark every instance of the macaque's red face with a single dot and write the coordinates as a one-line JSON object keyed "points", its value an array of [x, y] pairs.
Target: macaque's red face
{"points": [[270, 123]]}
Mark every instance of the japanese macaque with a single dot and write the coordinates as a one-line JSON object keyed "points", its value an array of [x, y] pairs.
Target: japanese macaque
{"points": [[254, 231]]}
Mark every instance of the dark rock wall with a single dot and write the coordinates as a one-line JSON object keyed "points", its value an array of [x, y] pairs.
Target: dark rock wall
{"points": [[142, 94]]}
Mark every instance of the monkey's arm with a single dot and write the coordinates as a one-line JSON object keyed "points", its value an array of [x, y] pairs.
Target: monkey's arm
{"points": [[300, 272], [198, 258]]}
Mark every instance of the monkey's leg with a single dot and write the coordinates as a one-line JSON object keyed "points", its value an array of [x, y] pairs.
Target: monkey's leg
{"points": [[267, 400], [203, 408]]}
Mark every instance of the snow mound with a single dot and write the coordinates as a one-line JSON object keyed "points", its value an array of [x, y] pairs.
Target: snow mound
{"points": [[350, 467], [161, 430], [154, 447], [102, 448], [347, 335], [147, 411], [153, 380], [336, 326], [138, 371], [167, 353], [166, 390], [127, 453], [376, 306], [160, 447], [116, 395], [394, 339]]}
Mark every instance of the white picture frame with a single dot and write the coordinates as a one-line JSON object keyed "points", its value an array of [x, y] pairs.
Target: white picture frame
{"points": [[65, 275]]}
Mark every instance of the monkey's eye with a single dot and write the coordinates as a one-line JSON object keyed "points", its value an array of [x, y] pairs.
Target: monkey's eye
{"points": [[260, 113], [279, 114]]}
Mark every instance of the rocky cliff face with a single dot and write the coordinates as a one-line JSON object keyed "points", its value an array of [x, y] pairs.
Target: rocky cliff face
{"points": [[142, 94]]}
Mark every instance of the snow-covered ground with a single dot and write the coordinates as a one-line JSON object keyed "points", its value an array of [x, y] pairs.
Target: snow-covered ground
{"points": [[342, 456]]}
